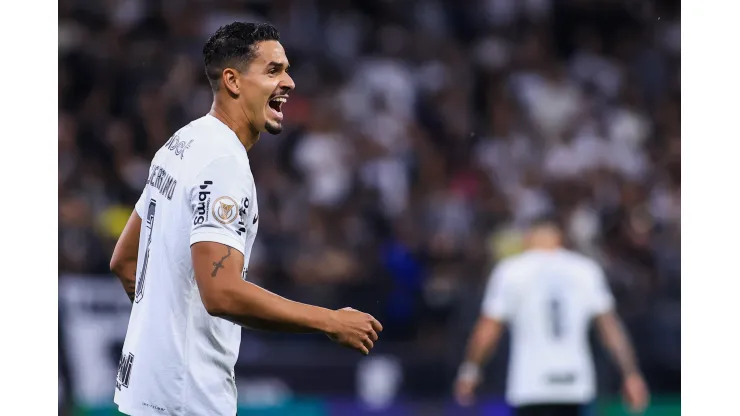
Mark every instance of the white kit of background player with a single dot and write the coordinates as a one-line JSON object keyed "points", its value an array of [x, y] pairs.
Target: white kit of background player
{"points": [[200, 188], [549, 299], [549, 296]]}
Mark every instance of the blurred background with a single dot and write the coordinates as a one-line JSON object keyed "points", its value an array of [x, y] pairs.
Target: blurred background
{"points": [[422, 138]]}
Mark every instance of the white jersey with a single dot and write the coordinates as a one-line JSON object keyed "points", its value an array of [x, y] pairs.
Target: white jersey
{"points": [[177, 359], [548, 298]]}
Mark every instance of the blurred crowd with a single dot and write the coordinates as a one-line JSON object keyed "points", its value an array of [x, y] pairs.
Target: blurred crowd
{"points": [[421, 139]]}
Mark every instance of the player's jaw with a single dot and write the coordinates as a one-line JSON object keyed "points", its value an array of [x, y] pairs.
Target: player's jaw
{"points": [[274, 113]]}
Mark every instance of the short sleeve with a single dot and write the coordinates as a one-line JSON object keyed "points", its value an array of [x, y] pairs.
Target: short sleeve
{"points": [[603, 300], [140, 206], [219, 199], [497, 301]]}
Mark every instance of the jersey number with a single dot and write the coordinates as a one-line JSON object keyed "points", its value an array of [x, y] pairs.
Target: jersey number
{"points": [[556, 318], [145, 263]]}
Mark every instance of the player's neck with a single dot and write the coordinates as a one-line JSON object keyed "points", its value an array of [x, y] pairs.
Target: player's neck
{"points": [[235, 119], [545, 247], [545, 244]]}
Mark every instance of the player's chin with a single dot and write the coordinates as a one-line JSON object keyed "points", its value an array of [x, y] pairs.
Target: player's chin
{"points": [[273, 120], [273, 127]]}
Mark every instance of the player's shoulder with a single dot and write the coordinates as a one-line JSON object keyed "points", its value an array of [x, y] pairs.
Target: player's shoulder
{"points": [[517, 261], [212, 139], [208, 141], [581, 261], [532, 258]]}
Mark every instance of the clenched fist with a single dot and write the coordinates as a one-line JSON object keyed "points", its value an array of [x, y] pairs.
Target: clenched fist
{"points": [[354, 329]]}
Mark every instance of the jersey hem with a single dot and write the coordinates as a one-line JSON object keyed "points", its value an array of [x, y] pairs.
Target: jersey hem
{"points": [[554, 399], [139, 411]]}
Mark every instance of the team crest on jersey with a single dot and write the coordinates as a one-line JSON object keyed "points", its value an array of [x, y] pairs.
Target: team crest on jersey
{"points": [[225, 210]]}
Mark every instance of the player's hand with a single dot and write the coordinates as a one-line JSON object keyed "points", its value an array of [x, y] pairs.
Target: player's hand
{"points": [[465, 390], [354, 329], [636, 393]]}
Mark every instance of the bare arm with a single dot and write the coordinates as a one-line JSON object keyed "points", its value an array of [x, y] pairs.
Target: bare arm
{"points": [[224, 294], [123, 261], [615, 339], [216, 249], [218, 274], [483, 340], [487, 331]]}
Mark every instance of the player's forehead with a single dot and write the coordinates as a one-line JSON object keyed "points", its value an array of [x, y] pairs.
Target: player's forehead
{"points": [[270, 52]]}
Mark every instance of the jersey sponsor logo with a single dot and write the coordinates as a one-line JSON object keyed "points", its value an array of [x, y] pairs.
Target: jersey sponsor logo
{"points": [[243, 218], [154, 406], [561, 378], [162, 181], [242, 227], [174, 144], [204, 202], [225, 210], [125, 365], [256, 218]]}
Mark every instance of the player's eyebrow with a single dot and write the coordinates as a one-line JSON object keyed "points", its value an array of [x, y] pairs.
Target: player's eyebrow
{"points": [[278, 65]]}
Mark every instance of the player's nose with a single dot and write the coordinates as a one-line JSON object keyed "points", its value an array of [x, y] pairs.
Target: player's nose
{"points": [[287, 83]]}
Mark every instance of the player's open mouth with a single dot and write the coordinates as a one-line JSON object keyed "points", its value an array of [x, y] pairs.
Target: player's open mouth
{"points": [[276, 104]]}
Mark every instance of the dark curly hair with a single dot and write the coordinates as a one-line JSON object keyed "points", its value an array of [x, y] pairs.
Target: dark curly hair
{"points": [[233, 46]]}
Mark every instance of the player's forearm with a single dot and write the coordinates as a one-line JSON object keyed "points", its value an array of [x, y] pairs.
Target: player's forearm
{"points": [[483, 341], [126, 273], [615, 339], [123, 260], [480, 347], [251, 306]]}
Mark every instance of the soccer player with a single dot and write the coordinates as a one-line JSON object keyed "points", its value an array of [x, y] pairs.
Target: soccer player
{"points": [[183, 256], [548, 296]]}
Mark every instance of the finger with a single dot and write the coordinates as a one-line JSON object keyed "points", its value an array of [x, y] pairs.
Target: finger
{"points": [[465, 401], [636, 402], [373, 336], [363, 349], [367, 342], [643, 401], [464, 397], [376, 325]]}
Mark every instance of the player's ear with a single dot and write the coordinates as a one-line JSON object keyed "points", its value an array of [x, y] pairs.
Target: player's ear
{"points": [[231, 80]]}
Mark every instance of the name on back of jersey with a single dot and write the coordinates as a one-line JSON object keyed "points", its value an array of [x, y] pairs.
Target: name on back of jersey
{"points": [[162, 181]]}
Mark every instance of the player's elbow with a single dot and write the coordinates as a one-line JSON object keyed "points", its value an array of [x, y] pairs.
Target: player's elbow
{"points": [[216, 308], [117, 265], [217, 303]]}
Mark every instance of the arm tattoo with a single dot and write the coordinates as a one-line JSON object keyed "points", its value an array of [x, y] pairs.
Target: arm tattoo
{"points": [[220, 264]]}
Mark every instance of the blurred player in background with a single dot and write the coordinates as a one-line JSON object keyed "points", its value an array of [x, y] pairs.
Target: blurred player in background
{"points": [[548, 296], [183, 256]]}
